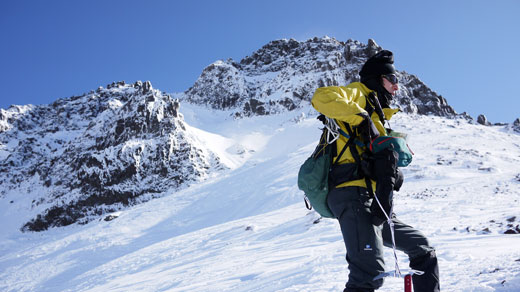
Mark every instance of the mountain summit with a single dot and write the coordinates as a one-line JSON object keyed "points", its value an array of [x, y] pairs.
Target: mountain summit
{"points": [[283, 74]]}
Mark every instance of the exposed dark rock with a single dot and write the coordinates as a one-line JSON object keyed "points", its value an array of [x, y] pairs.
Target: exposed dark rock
{"points": [[485, 231], [512, 231], [481, 119], [516, 125], [110, 217], [254, 107], [372, 48]]}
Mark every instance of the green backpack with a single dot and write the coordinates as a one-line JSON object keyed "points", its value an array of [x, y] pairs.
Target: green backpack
{"points": [[313, 177]]}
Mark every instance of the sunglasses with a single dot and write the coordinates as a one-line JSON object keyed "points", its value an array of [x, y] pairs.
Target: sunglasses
{"points": [[392, 78]]}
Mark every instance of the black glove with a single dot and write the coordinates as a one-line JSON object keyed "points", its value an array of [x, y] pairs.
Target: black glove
{"points": [[367, 130], [386, 174], [399, 180]]}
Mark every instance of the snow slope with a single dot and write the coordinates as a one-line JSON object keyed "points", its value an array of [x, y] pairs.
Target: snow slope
{"points": [[246, 229]]}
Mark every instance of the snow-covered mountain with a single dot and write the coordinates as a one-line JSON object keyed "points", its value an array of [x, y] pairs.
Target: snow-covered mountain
{"points": [[282, 76], [87, 155], [199, 194], [84, 156]]}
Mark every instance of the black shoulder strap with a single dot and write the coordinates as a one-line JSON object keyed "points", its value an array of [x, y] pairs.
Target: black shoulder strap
{"points": [[372, 98], [369, 107], [353, 148], [357, 158], [323, 143], [349, 142]]}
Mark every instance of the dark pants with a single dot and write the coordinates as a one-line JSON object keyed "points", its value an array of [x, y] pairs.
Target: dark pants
{"points": [[364, 242]]}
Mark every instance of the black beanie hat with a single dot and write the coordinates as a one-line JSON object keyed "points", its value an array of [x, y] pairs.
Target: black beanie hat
{"points": [[379, 64]]}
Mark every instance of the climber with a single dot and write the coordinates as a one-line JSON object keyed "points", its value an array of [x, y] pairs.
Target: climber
{"points": [[361, 109]]}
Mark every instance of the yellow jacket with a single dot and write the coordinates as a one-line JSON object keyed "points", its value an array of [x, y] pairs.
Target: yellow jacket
{"points": [[347, 104]]}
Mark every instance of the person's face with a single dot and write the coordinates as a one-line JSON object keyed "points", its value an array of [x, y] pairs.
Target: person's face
{"points": [[389, 86]]}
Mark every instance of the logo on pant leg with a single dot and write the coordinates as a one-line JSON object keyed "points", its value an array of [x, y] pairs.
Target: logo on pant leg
{"points": [[368, 247]]}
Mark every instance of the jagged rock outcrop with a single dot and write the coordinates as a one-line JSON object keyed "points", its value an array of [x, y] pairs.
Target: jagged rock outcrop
{"points": [[516, 125], [96, 153], [283, 75], [482, 119]]}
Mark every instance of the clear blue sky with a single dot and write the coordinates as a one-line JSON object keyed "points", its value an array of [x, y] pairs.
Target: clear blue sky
{"points": [[465, 50]]}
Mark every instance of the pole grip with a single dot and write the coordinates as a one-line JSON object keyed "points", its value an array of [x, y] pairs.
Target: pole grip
{"points": [[408, 283]]}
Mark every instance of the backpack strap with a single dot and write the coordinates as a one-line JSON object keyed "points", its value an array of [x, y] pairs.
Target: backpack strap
{"points": [[374, 105], [326, 141], [337, 171], [349, 142], [357, 158], [348, 136]]}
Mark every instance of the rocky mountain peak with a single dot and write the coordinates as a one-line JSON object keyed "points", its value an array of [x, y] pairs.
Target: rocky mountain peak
{"points": [[283, 75], [91, 154]]}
